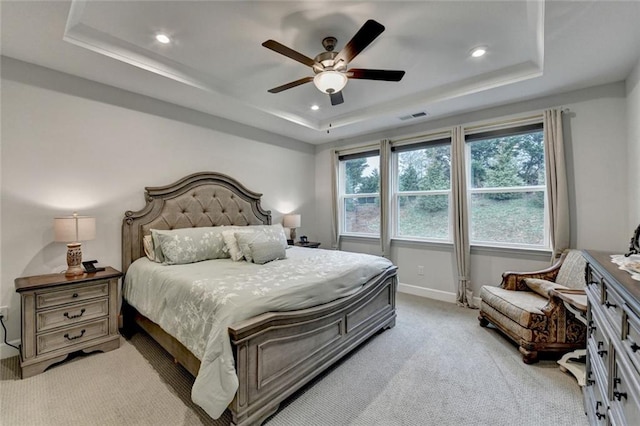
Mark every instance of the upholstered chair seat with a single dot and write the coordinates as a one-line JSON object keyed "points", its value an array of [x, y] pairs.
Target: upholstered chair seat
{"points": [[525, 311]]}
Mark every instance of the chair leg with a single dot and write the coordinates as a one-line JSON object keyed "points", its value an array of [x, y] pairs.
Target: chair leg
{"points": [[483, 321], [528, 357]]}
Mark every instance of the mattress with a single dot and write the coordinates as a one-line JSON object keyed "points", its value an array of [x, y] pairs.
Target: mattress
{"points": [[196, 303]]}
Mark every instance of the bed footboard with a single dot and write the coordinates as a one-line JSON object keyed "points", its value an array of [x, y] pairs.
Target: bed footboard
{"points": [[278, 353]]}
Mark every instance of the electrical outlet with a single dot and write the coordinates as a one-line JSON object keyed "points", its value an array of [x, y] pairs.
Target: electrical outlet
{"points": [[420, 270], [4, 312]]}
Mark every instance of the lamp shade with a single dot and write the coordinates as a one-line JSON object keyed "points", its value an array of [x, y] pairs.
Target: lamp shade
{"points": [[74, 228], [330, 81], [291, 221]]}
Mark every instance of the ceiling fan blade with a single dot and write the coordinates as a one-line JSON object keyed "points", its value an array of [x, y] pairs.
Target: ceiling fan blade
{"points": [[336, 98], [290, 85], [290, 53], [366, 74], [365, 35]]}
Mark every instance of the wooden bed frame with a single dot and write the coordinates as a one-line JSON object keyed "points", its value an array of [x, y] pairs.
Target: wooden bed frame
{"points": [[276, 353]]}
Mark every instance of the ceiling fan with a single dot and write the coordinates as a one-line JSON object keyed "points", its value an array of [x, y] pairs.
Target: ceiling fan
{"points": [[330, 68]]}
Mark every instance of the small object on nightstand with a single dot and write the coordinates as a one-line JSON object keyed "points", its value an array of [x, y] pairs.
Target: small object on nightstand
{"points": [[62, 314], [307, 244], [90, 267]]}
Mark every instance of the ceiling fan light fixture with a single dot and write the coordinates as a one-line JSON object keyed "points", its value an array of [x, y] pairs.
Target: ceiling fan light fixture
{"points": [[330, 81], [163, 38], [478, 51]]}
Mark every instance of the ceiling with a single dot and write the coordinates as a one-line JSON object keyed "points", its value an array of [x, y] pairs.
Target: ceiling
{"points": [[216, 64]]}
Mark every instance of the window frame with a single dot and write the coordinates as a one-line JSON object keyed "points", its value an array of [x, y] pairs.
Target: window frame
{"points": [[494, 134], [396, 193], [343, 196]]}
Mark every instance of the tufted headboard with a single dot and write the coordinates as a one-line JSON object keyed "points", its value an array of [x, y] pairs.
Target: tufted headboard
{"points": [[200, 199]]}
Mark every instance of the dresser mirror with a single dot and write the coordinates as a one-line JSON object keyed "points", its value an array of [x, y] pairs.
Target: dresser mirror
{"points": [[634, 246]]}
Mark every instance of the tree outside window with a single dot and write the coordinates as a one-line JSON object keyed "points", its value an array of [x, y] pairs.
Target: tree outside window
{"points": [[507, 190], [423, 191], [360, 185]]}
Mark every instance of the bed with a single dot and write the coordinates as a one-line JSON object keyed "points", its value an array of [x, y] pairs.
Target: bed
{"points": [[274, 353]]}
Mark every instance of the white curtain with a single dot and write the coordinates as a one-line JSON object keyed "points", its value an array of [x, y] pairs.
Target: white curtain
{"points": [[556, 174], [385, 198], [464, 296], [335, 210]]}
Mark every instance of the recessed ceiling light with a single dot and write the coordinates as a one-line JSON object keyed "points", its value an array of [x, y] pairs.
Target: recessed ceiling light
{"points": [[479, 51], [315, 107], [163, 38]]}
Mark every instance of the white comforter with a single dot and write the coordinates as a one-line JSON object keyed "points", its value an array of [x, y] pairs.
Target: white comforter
{"points": [[197, 302]]}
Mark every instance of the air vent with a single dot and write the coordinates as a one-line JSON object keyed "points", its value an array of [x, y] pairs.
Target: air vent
{"points": [[412, 116]]}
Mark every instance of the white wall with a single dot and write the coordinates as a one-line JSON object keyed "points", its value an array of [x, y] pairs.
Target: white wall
{"points": [[94, 149], [596, 150], [633, 117]]}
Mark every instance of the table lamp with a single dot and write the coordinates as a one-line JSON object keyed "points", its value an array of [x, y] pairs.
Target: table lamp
{"points": [[292, 221], [72, 230]]}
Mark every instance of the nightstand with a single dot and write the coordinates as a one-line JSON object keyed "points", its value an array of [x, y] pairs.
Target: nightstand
{"points": [[309, 244], [61, 315]]}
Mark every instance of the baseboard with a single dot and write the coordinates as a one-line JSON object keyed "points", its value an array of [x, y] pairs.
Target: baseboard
{"points": [[7, 351], [429, 293]]}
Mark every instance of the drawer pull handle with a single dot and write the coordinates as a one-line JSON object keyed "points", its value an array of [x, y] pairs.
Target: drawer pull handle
{"points": [[75, 337], [634, 347], [602, 353], [619, 395], [600, 344], [610, 305], [600, 415], [74, 295], [590, 382], [66, 314]]}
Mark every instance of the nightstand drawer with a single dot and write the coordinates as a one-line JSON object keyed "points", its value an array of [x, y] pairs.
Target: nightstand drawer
{"points": [[71, 314], [72, 336], [47, 299]]}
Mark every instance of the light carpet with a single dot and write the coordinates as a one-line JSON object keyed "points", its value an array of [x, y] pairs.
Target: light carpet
{"points": [[437, 366]]}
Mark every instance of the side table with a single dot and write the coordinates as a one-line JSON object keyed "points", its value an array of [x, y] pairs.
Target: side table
{"points": [[575, 300], [61, 315]]}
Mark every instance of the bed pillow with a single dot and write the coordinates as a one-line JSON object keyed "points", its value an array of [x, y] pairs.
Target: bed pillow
{"points": [[149, 249], [260, 234], [231, 244], [262, 253], [189, 245]]}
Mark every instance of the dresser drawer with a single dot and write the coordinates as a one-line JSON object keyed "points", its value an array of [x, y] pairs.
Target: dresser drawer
{"points": [[595, 397], [598, 342], [594, 284], [631, 338], [70, 336], [71, 314], [625, 405], [612, 305], [51, 298]]}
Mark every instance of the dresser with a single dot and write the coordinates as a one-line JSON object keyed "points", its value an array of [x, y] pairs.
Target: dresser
{"points": [[61, 315], [612, 390]]}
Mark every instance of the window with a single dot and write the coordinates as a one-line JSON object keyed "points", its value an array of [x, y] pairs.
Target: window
{"points": [[360, 193], [422, 190], [506, 187]]}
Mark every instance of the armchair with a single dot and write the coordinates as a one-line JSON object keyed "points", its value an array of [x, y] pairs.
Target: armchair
{"points": [[525, 311]]}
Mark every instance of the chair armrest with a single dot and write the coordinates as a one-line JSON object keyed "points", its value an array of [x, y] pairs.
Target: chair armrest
{"points": [[542, 287], [514, 280]]}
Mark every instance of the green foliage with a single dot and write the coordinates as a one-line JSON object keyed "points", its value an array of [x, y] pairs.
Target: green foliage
{"points": [[504, 173], [370, 184], [409, 180], [353, 171]]}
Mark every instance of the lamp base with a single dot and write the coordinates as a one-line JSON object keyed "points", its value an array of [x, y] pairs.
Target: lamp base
{"points": [[293, 234], [74, 260]]}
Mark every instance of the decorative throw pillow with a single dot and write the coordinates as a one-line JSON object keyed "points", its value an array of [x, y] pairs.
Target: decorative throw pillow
{"points": [[262, 253], [147, 243], [157, 250], [260, 234], [231, 244], [189, 245]]}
